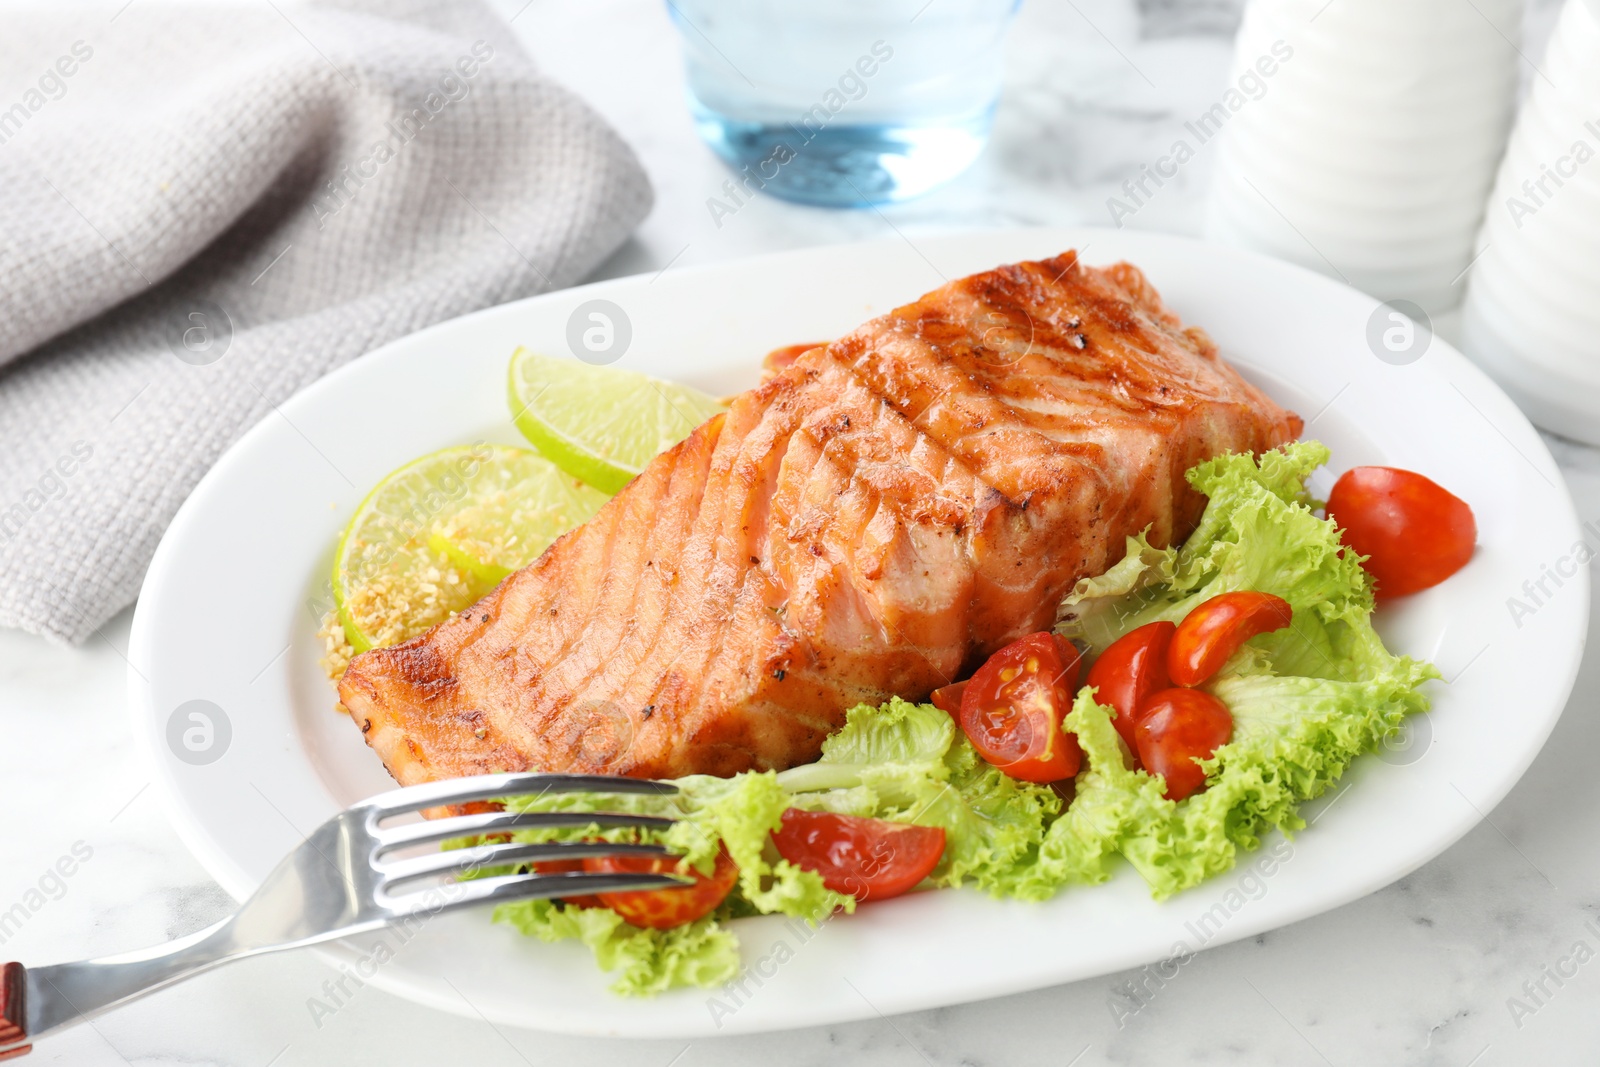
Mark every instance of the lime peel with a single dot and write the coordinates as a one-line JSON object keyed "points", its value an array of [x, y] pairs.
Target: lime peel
{"points": [[439, 533], [600, 424]]}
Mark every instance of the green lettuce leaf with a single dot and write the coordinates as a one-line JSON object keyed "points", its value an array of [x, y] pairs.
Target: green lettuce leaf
{"points": [[908, 763], [1257, 533], [1305, 702], [703, 953], [1293, 738], [734, 813], [901, 762]]}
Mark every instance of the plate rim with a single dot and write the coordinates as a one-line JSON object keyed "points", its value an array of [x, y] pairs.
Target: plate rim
{"points": [[141, 699]]}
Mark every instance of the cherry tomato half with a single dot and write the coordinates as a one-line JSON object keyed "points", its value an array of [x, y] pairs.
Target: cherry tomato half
{"points": [[1013, 706], [947, 698], [870, 859], [1131, 669], [661, 909], [1212, 632], [1177, 727], [1414, 533]]}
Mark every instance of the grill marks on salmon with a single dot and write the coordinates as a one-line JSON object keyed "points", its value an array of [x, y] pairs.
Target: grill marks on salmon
{"points": [[874, 519]]}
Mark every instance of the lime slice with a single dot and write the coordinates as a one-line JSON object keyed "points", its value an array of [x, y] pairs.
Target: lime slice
{"points": [[600, 424], [530, 503], [440, 532]]}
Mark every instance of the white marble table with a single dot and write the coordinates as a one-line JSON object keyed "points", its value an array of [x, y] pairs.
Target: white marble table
{"points": [[1421, 972]]}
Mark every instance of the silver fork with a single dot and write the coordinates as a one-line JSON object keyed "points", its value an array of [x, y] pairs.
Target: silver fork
{"points": [[344, 880]]}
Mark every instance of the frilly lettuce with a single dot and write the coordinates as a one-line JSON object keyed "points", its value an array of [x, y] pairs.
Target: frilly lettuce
{"points": [[734, 813], [703, 953], [908, 763], [903, 762], [1305, 701]]}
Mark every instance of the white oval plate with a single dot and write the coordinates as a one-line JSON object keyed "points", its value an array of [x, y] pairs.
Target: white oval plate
{"points": [[230, 606]]}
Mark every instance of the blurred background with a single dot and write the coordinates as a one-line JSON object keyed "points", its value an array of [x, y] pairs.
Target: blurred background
{"points": [[1369, 154], [1092, 90]]}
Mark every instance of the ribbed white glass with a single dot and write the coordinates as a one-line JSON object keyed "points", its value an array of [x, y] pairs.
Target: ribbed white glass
{"points": [[1532, 317], [1371, 150]]}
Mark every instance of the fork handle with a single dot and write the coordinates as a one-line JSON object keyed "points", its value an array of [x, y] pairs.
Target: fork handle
{"points": [[13, 1010], [37, 1000]]}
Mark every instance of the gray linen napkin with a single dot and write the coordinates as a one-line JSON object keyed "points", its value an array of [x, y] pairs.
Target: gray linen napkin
{"points": [[204, 209]]}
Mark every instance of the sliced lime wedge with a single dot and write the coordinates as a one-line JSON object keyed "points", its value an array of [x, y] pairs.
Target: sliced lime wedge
{"points": [[534, 503], [600, 424], [440, 532]]}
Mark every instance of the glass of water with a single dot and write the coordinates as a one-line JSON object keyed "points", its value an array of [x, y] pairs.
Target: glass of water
{"points": [[844, 102]]}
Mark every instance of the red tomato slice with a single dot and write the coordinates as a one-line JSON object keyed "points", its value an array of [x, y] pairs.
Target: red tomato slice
{"points": [[947, 698], [1177, 727], [1414, 533], [1013, 707], [662, 909], [870, 859], [1212, 632], [1129, 671]]}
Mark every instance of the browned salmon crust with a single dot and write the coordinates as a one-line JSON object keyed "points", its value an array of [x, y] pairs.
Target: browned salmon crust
{"points": [[873, 520]]}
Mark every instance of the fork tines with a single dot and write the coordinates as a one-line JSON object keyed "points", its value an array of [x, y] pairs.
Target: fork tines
{"points": [[504, 822], [504, 854], [511, 887], [397, 871], [494, 786]]}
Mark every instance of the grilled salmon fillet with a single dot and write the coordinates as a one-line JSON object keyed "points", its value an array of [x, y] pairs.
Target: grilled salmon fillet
{"points": [[874, 519]]}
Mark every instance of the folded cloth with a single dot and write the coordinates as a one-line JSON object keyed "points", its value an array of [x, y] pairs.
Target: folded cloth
{"points": [[206, 208]]}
